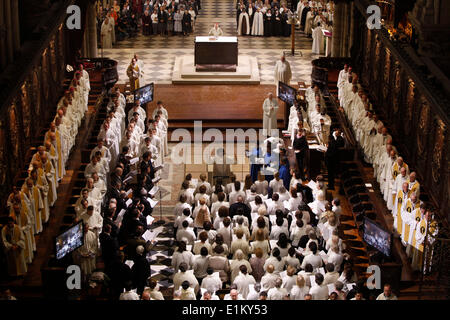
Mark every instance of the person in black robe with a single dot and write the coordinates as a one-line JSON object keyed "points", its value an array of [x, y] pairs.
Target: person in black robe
{"points": [[238, 13], [286, 27], [146, 24], [332, 159], [162, 21], [303, 18], [140, 271], [187, 26], [119, 273], [251, 13], [268, 27], [277, 28]]}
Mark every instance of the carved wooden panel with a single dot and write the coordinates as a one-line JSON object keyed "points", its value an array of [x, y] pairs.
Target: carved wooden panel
{"points": [[37, 95], [14, 137], [5, 173], [45, 74], [386, 74], [376, 60], [26, 111], [60, 51], [423, 129], [367, 58], [397, 86], [53, 60], [440, 133]]}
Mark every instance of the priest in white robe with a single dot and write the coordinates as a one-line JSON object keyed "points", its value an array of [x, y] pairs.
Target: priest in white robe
{"points": [[270, 109], [282, 72], [317, 35], [106, 33], [85, 256], [215, 31], [13, 240]]}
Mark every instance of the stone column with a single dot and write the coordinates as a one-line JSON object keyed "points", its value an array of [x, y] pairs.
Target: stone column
{"points": [[15, 25], [337, 29], [91, 30], [9, 35], [3, 59], [352, 29]]}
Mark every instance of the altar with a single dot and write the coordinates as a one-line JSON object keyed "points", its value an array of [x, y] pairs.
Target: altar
{"points": [[216, 53], [215, 61]]}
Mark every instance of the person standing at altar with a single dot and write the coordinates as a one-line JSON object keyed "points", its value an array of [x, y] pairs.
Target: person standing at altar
{"points": [[134, 73], [243, 22], [215, 31], [282, 72], [270, 108], [258, 23]]}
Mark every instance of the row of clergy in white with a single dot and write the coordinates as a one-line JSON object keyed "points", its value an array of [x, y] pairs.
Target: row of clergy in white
{"points": [[314, 119], [104, 159], [400, 189], [30, 205]]}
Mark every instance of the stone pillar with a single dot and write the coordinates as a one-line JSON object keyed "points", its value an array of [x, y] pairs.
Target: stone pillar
{"points": [[344, 36], [352, 29], [9, 34], [3, 58], [15, 25], [91, 30], [337, 29]]}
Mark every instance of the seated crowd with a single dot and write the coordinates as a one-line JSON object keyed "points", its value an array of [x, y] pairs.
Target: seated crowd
{"points": [[260, 242]]}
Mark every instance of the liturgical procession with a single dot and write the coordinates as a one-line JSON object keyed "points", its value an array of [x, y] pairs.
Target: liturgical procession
{"points": [[224, 150]]}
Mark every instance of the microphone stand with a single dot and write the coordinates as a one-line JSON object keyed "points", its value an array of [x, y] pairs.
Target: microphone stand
{"points": [[161, 220]]}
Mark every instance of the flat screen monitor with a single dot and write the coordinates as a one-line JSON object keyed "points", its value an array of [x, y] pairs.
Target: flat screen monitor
{"points": [[69, 240], [144, 94], [286, 93], [376, 237]]}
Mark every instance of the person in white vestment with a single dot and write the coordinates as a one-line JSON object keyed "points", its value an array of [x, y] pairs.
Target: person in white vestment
{"points": [[85, 256], [243, 22], [282, 72], [243, 281], [270, 109], [258, 23], [106, 33], [140, 64], [215, 31], [13, 240], [317, 35]]}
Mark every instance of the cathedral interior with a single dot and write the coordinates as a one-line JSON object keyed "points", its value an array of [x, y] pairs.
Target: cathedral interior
{"points": [[403, 67]]}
